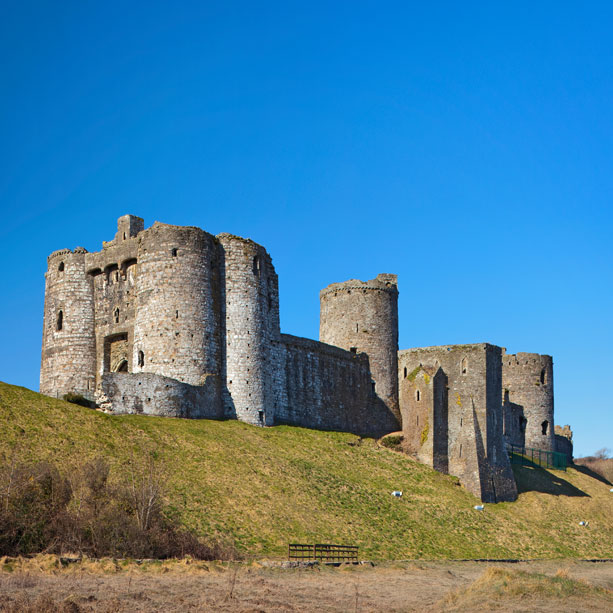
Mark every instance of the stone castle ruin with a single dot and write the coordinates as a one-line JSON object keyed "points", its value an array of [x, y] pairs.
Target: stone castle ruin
{"points": [[175, 322]]}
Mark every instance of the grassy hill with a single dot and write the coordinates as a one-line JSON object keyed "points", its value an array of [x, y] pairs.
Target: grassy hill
{"points": [[266, 487]]}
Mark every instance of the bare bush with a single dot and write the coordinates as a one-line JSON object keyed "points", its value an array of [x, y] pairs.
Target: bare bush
{"points": [[601, 466], [43, 511]]}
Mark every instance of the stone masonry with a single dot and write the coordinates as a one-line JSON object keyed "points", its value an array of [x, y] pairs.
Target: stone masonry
{"points": [[451, 403], [176, 322]]}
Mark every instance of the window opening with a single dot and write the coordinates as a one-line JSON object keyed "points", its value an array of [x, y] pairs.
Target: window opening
{"points": [[417, 396], [60, 320], [544, 427], [405, 372], [543, 376], [116, 316], [460, 449], [174, 252], [464, 366], [141, 358], [176, 314], [353, 349], [123, 366], [256, 265], [60, 268], [357, 327]]}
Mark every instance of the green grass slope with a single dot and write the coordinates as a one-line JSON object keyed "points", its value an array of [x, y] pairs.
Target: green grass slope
{"points": [[263, 488]]}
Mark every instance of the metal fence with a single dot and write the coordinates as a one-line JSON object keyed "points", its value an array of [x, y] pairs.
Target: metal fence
{"points": [[527, 456], [323, 552]]}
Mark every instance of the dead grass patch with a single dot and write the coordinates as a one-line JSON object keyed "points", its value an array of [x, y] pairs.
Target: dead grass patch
{"points": [[498, 587]]}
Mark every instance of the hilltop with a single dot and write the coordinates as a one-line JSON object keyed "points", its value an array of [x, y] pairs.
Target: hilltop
{"points": [[265, 487]]}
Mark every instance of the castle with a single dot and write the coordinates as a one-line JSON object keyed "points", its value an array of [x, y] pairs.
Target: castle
{"points": [[176, 322]]}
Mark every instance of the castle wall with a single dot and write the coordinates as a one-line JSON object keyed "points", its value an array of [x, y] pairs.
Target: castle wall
{"points": [[364, 315], [564, 441], [69, 347], [329, 388], [112, 274], [150, 394], [475, 451], [528, 378], [177, 326], [424, 410], [250, 355]]}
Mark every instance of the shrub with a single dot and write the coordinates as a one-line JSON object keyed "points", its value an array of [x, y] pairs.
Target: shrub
{"points": [[41, 510], [392, 442], [79, 399]]}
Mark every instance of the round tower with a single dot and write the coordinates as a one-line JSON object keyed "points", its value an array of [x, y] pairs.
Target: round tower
{"points": [[68, 363], [363, 316], [178, 311], [527, 381], [251, 330]]}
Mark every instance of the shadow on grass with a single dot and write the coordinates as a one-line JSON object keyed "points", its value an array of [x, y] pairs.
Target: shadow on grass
{"points": [[591, 473], [532, 478]]}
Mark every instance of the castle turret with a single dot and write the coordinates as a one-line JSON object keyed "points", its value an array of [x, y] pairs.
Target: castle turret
{"points": [[68, 363], [363, 316], [251, 303], [178, 311], [527, 381]]}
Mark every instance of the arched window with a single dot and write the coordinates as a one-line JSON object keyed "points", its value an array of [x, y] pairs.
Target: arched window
{"points": [[60, 320], [543, 376], [116, 315], [141, 358], [60, 268], [464, 366], [123, 366], [544, 427]]}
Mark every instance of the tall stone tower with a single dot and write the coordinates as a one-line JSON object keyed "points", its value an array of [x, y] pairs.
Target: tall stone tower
{"points": [[363, 316], [527, 379], [177, 328], [68, 361], [251, 307]]}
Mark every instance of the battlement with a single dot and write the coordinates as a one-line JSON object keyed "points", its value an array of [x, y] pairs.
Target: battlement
{"points": [[382, 283]]}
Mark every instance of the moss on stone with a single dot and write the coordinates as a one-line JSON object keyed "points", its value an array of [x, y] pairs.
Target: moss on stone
{"points": [[424, 433], [411, 376]]}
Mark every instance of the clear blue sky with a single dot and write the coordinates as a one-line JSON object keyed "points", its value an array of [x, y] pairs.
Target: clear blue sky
{"points": [[467, 147]]}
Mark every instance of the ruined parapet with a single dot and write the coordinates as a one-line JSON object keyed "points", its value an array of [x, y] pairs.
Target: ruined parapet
{"points": [[527, 381], [363, 316], [178, 311], [128, 226], [149, 394], [564, 441], [251, 314], [468, 398], [68, 361]]}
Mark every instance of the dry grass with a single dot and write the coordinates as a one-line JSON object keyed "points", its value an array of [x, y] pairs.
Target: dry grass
{"points": [[600, 466], [501, 588], [391, 587]]}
